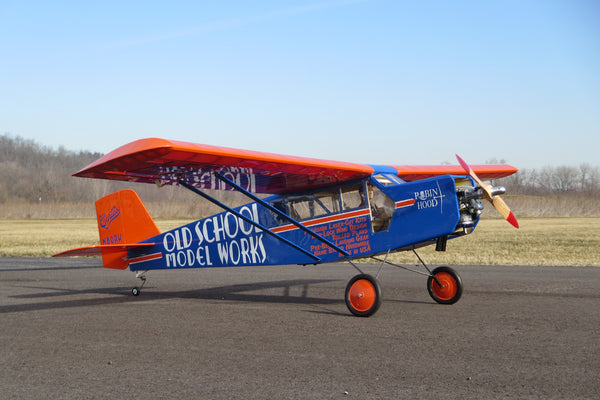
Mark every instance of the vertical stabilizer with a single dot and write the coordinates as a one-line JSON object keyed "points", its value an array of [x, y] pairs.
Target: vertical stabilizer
{"points": [[122, 220]]}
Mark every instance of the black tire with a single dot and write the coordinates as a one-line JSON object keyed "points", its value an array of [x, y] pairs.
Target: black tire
{"points": [[135, 291], [363, 295], [452, 287]]}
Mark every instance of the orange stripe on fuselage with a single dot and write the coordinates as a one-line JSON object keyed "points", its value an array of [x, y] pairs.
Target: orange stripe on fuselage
{"points": [[323, 220], [405, 203], [148, 257]]}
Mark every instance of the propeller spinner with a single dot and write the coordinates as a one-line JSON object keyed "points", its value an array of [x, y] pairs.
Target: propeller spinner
{"points": [[492, 194]]}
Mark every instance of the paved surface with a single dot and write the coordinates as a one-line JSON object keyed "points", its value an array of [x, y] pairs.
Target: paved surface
{"points": [[71, 330]]}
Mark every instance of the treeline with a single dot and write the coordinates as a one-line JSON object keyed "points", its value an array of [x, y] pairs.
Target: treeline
{"points": [[36, 175], [32, 173], [36, 182], [584, 179]]}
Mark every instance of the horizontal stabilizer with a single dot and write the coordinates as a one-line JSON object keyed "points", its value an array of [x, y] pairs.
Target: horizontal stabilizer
{"points": [[98, 250]]}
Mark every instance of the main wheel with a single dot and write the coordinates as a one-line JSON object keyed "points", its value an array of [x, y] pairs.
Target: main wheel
{"points": [[363, 295], [135, 291], [451, 285]]}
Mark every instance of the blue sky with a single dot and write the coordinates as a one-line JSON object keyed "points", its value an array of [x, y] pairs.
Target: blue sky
{"points": [[373, 81]]}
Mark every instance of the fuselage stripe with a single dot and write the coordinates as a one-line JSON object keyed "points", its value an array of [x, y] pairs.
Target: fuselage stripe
{"points": [[405, 203], [148, 257], [323, 220]]}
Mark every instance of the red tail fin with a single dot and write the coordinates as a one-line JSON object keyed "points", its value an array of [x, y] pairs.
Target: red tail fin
{"points": [[122, 220]]}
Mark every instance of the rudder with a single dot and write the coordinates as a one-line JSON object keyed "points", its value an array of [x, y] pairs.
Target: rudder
{"points": [[122, 219]]}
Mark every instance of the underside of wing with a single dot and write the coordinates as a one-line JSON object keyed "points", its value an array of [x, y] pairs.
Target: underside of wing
{"points": [[411, 173], [165, 162]]}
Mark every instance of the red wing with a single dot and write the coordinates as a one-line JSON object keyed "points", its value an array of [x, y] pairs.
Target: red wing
{"points": [[165, 162], [412, 173]]}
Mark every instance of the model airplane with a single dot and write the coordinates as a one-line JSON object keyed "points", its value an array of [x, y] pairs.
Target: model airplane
{"points": [[320, 211]]}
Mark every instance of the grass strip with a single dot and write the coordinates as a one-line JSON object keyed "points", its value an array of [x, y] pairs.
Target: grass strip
{"points": [[539, 241]]}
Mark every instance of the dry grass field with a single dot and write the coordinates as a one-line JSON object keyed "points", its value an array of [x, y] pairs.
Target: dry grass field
{"points": [[539, 241]]}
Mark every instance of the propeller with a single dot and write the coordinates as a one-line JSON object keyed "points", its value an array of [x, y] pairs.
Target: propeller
{"points": [[492, 194]]}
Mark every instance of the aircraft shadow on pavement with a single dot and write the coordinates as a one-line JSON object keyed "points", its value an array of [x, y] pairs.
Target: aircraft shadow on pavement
{"points": [[283, 291]]}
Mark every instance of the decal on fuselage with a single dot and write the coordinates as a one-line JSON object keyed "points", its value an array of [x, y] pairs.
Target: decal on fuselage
{"points": [[347, 230], [351, 234], [223, 239], [430, 198]]}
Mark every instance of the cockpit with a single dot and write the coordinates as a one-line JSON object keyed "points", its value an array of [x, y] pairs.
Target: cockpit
{"points": [[367, 194]]}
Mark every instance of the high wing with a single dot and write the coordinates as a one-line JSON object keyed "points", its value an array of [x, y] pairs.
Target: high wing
{"points": [[411, 173], [164, 161]]}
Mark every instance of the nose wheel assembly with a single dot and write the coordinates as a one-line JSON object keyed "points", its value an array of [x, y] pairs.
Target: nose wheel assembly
{"points": [[444, 285], [363, 292]]}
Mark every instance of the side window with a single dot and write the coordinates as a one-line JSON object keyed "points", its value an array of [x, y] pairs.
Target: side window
{"points": [[353, 197], [281, 206], [327, 202], [382, 208], [314, 205], [301, 208]]}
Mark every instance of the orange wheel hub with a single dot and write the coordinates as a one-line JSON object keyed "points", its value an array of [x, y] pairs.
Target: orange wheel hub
{"points": [[449, 286], [362, 295]]}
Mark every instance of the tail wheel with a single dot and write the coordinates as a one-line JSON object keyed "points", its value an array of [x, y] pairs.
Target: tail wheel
{"points": [[363, 295], [450, 287]]}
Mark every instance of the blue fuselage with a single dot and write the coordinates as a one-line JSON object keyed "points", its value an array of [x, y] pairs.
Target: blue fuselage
{"points": [[378, 214]]}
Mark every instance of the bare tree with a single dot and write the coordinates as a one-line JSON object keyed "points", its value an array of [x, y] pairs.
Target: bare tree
{"points": [[559, 179], [593, 181]]}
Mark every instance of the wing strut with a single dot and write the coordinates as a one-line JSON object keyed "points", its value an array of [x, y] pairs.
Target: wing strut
{"points": [[245, 218], [280, 213]]}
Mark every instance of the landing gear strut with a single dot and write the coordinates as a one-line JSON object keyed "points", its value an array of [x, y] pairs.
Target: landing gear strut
{"points": [[363, 294], [443, 283], [141, 276]]}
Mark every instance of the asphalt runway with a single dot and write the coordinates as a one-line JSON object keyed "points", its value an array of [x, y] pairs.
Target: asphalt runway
{"points": [[72, 330]]}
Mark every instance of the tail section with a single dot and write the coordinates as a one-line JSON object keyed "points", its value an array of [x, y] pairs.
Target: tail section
{"points": [[123, 221]]}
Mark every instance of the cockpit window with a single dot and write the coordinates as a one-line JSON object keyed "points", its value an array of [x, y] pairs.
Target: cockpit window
{"points": [[313, 205], [300, 207], [327, 202], [387, 179], [281, 205], [382, 208], [353, 197], [317, 204]]}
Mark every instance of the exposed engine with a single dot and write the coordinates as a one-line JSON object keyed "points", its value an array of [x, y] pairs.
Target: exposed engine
{"points": [[469, 205]]}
